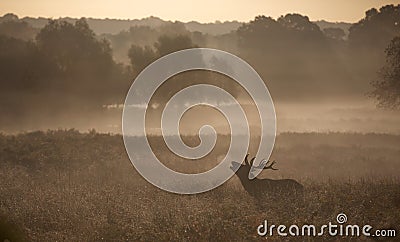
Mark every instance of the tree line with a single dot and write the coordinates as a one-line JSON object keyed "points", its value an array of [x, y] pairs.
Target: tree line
{"points": [[66, 66]]}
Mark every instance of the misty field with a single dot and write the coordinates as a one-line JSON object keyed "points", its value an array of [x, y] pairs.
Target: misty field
{"points": [[66, 185]]}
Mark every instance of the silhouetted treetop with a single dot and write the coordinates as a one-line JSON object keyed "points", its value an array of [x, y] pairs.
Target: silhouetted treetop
{"points": [[167, 44], [9, 17], [376, 29], [73, 46], [18, 29], [141, 56], [298, 22], [291, 30]]}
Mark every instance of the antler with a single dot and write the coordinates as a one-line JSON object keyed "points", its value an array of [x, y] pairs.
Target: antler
{"points": [[246, 161], [252, 160], [270, 166], [264, 165]]}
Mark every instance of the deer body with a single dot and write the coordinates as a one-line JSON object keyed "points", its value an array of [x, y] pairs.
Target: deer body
{"points": [[261, 187]]}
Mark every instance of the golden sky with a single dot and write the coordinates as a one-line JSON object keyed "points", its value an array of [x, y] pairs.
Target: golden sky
{"points": [[202, 10]]}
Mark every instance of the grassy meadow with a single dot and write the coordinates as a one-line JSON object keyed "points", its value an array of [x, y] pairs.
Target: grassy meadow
{"points": [[70, 186]]}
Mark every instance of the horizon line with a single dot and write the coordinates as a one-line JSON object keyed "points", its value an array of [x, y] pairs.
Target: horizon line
{"points": [[169, 20]]}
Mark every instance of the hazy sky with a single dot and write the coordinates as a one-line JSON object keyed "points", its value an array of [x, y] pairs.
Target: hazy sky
{"points": [[199, 10]]}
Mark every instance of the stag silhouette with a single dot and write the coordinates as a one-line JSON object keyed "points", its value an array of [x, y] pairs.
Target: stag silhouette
{"points": [[261, 187]]}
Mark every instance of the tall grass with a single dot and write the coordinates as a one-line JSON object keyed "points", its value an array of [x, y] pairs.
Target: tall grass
{"points": [[66, 185]]}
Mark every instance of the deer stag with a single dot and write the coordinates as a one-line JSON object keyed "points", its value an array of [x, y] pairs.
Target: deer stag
{"points": [[258, 187]]}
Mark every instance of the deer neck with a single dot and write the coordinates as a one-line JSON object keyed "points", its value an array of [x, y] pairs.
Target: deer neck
{"points": [[243, 177]]}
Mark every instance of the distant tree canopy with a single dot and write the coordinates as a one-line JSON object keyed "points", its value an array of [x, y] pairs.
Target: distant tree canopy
{"points": [[140, 56], [66, 65], [17, 64], [387, 88], [17, 29], [376, 29], [74, 50], [292, 54], [292, 30], [76, 54], [167, 44], [142, 36], [335, 33]]}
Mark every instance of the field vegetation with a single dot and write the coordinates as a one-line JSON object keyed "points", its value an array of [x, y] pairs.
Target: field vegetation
{"points": [[66, 185]]}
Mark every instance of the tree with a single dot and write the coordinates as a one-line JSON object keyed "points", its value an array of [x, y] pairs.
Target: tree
{"points": [[17, 63], [376, 29], [167, 44], [387, 88], [260, 34], [289, 33], [17, 29], [74, 48], [299, 22], [140, 57], [67, 70], [290, 51], [142, 35], [81, 63], [9, 17]]}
